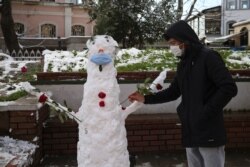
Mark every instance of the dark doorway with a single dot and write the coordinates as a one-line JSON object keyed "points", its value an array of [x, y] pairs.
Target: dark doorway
{"points": [[244, 37]]}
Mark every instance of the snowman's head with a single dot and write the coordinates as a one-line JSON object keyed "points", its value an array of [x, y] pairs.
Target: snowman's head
{"points": [[101, 50]]}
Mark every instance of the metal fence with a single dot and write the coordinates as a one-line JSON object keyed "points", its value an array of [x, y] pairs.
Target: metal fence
{"points": [[26, 55]]}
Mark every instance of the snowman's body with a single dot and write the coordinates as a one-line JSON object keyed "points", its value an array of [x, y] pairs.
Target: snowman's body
{"points": [[102, 134]]}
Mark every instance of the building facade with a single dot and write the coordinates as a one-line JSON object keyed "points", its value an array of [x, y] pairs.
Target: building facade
{"points": [[242, 28], [233, 11], [51, 21], [207, 23]]}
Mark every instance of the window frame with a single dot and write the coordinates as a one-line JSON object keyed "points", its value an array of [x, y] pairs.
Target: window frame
{"points": [[22, 26], [230, 29], [241, 7], [227, 4], [76, 34], [53, 29]]}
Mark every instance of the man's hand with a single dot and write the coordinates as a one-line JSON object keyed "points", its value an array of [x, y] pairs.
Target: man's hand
{"points": [[136, 96]]}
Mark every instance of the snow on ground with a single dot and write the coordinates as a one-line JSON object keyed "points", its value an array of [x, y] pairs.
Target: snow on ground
{"points": [[75, 61], [57, 61], [10, 88], [239, 58], [133, 52], [9, 64], [16, 151]]}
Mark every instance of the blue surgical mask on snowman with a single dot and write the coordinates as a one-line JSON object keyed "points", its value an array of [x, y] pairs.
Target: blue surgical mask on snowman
{"points": [[101, 59]]}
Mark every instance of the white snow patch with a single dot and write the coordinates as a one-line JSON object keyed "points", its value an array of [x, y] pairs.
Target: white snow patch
{"points": [[18, 151]]}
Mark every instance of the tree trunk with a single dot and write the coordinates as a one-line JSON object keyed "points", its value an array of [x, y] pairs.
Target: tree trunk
{"points": [[7, 25], [179, 10]]}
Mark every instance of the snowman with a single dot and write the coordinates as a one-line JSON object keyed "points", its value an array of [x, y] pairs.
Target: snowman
{"points": [[102, 134]]}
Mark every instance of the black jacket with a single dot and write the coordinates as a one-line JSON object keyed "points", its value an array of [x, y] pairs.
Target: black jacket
{"points": [[205, 86]]}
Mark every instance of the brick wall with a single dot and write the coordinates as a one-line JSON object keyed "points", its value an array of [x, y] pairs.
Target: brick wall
{"points": [[27, 125], [60, 138], [152, 133], [145, 133], [238, 131]]}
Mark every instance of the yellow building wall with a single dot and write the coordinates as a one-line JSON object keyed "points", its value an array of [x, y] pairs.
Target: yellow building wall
{"points": [[237, 29]]}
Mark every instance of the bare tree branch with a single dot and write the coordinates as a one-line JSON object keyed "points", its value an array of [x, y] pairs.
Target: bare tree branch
{"points": [[190, 10]]}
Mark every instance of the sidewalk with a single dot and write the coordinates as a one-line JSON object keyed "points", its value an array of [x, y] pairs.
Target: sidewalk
{"points": [[233, 159]]}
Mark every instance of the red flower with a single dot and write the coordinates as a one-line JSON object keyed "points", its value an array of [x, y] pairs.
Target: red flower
{"points": [[43, 98], [158, 87], [24, 69], [102, 95], [102, 104]]}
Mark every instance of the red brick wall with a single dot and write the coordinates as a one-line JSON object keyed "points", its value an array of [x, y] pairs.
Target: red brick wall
{"points": [[238, 131], [157, 132], [60, 138], [145, 133], [26, 125]]}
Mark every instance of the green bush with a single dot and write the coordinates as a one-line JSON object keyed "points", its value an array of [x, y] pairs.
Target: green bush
{"points": [[14, 96]]}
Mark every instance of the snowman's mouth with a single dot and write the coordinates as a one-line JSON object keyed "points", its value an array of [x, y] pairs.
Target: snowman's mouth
{"points": [[100, 68]]}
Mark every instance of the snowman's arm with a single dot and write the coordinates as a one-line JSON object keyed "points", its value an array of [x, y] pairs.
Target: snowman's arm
{"points": [[132, 108]]}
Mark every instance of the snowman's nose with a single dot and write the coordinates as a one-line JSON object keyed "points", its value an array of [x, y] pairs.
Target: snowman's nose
{"points": [[100, 50]]}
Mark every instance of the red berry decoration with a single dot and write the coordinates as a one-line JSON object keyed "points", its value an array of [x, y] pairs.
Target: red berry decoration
{"points": [[102, 104], [102, 95], [43, 98], [24, 69], [158, 87]]}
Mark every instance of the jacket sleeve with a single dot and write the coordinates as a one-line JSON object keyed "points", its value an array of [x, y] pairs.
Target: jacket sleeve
{"points": [[166, 95], [225, 85]]}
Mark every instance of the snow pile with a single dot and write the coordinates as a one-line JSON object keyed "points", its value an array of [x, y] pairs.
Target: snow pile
{"points": [[239, 57], [59, 61], [75, 61], [9, 65], [10, 88], [17, 152]]}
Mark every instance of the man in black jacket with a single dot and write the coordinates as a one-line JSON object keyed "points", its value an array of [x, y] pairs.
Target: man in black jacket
{"points": [[205, 86]]}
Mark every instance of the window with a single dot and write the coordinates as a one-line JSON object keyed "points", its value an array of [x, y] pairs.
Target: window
{"points": [[230, 29], [48, 30], [212, 23], [231, 4], [19, 28], [78, 30], [80, 2], [212, 27], [244, 4]]}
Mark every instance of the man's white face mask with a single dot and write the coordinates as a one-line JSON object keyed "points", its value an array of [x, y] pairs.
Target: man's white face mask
{"points": [[175, 49]]}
